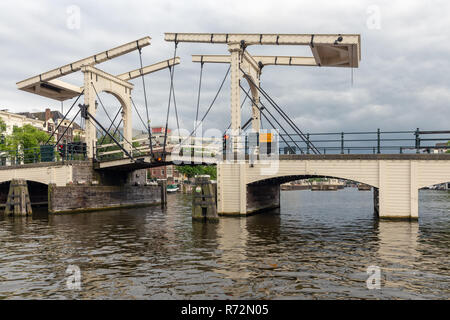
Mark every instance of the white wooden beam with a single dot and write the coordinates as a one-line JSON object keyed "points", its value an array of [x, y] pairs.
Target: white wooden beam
{"points": [[321, 45], [265, 60], [149, 69], [264, 39], [92, 60], [218, 58]]}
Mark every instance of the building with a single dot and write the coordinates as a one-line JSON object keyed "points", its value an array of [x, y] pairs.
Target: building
{"points": [[168, 172], [66, 132], [441, 147], [18, 120]]}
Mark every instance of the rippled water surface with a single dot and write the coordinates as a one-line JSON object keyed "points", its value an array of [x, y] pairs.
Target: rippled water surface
{"points": [[317, 246]]}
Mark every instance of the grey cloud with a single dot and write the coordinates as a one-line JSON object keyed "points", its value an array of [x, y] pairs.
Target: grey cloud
{"points": [[402, 82]]}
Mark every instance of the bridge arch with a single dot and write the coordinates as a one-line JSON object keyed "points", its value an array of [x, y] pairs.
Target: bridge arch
{"points": [[432, 182], [366, 172], [284, 179], [36, 179], [37, 190]]}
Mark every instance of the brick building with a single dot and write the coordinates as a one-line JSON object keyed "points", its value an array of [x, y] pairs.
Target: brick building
{"points": [[168, 172]]}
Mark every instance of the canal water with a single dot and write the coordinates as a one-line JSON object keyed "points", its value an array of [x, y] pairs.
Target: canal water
{"points": [[319, 245]]}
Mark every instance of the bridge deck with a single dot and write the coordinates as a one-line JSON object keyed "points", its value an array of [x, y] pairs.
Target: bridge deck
{"points": [[144, 162]]}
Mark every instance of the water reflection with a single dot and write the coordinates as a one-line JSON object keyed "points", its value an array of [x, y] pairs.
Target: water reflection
{"points": [[316, 246]]}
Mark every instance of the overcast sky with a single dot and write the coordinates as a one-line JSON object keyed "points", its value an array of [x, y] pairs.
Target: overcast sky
{"points": [[402, 82]]}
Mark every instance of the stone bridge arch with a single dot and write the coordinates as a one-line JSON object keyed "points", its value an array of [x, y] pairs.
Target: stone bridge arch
{"points": [[45, 173]]}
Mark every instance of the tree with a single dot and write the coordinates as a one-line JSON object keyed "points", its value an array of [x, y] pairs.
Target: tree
{"points": [[2, 134], [106, 139], [192, 171], [448, 143], [77, 138], [25, 141], [2, 126]]}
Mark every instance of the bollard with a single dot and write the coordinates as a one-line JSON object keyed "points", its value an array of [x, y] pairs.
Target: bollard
{"points": [[204, 200], [162, 183], [18, 202]]}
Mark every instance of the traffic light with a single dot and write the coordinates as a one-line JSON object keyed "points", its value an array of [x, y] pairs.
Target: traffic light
{"points": [[226, 137], [62, 150]]}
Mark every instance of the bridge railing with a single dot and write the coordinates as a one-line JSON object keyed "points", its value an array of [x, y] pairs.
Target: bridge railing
{"points": [[177, 146], [375, 142], [43, 153]]}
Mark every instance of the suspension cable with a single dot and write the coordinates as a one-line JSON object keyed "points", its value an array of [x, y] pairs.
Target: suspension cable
{"points": [[135, 108], [292, 124], [65, 116], [90, 117], [67, 128], [242, 104], [260, 109], [176, 112], [103, 138], [120, 133], [149, 128], [199, 89], [210, 106], [283, 115], [170, 96], [150, 141], [270, 122]]}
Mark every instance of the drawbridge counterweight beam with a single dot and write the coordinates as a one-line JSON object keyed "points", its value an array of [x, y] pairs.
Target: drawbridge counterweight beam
{"points": [[44, 84], [149, 69], [341, 50], [265, 60]]}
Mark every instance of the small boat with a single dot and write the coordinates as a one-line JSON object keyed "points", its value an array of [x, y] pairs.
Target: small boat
{"points": [[172, 188]]}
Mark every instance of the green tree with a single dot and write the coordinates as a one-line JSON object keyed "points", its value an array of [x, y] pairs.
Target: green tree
{"points": [[25, 141], [77, 138], [2, 126], [106, 139], [192, 171], [2, 134], [448, 150]]}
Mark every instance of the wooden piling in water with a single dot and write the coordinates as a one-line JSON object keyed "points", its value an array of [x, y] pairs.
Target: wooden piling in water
{"points": [[163, 184], [204, 206], [18, 202]]}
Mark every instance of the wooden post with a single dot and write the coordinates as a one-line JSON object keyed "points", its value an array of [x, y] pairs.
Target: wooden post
{"points": [[163, 184], [18, 201], [376, 204], [204, 206]]}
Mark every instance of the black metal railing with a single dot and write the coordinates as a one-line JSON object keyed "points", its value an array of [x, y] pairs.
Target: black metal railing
{"points": [[43, 153], [375, 142]]}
